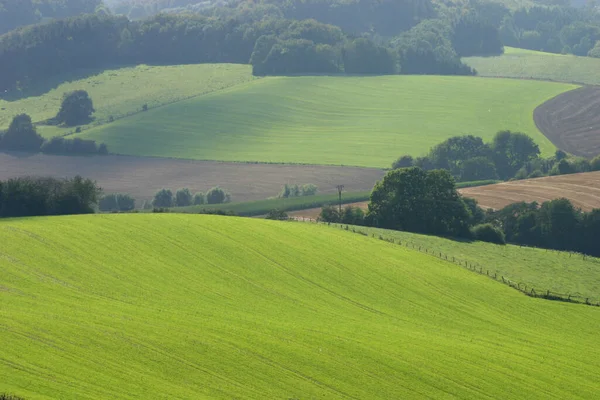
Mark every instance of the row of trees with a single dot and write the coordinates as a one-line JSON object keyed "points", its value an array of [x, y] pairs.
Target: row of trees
{"points": [[510, 155], [30, 196], [165, 198], [22, 135], [296, 190]]}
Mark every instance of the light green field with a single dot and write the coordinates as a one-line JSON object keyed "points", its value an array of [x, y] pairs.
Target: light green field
{"points": [[528, 64], [362, 121], [559, 272], [180, 306], [121, 92]]}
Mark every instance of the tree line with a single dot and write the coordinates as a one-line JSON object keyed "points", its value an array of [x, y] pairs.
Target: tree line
{"points": [[510, 155], [414, 200]]}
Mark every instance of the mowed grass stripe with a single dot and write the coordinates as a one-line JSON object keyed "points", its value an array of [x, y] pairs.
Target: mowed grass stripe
{"points": [[362, 121], [181, 306]]}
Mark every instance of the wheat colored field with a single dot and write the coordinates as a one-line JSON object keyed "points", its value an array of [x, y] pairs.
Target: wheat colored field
{"points": [[181, 306]]}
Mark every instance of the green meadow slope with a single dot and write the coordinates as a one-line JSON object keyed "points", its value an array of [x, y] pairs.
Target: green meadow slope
{"points": [[181, 306], [362, 121], [529, 64], [123, 91]]}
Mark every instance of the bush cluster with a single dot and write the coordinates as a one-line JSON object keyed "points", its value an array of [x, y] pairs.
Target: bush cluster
{"points": [[296, 191], [116, 202], [183, 197]]}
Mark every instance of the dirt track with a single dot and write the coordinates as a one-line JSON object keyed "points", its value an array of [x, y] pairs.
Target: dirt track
{"points": [[582, 189], [142, 177], [572, 121]]}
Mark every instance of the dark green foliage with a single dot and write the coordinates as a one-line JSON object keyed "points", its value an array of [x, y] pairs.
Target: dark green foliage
{"points": [[510, 151], [76, 108], [47, 196], [361, 56], [349, 215], [414, 200], [488, 233], [198, 199], [403, 162], [183, 198], [454, 152], [60, 145], [595, 164], [477, 215], [329, 213], [473, 36], [217, 195], [21, 135], [163, 198], [563, 167], [295, 190], [116, 202], [477, 169], [6, 396], [277, 215]]}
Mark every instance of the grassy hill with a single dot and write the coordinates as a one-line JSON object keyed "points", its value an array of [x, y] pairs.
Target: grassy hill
{"points": [[529, 64], [123, 91], [363, 121], [180, 306]]}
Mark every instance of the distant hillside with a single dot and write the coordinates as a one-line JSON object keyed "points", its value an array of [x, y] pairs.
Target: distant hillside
{"points": [[528, 64], [362, 121], [136, 306]]}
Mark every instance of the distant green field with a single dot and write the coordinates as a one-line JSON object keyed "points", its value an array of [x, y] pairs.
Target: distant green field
{"points": [[362, 121], [260, 207], [542, 269], [528, 64], [184, 306], [120, 92]]}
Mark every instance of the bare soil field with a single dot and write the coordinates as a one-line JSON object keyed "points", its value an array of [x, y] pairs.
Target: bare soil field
{"points": [[143, 176], [571, 121], [582, 189]]}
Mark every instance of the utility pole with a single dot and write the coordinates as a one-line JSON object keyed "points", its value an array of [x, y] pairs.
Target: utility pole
{"points": [[340, 188]]}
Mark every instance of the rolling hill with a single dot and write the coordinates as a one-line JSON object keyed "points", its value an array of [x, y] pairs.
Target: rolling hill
{"points": [[180, 306], [121, 92], [582, 189], [361, 121], [529, 64]]}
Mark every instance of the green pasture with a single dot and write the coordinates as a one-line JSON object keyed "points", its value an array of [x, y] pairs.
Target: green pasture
{"points": [[362, 121], [137, 306], [123, 91], [529, 64], [559, 272]]}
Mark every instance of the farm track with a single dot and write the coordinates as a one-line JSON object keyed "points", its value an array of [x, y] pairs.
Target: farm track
{"points": [[571, 121], [143, 176], [582, 189]]}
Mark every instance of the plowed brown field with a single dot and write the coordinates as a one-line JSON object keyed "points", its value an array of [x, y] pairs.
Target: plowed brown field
{"points": [[143, 176], [582, 189], [571, 121]]}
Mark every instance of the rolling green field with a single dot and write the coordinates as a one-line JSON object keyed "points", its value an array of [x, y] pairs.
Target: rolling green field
{"points": [[362, 121], [529, 64], [541, 269], [179, 306], [121, 92]]}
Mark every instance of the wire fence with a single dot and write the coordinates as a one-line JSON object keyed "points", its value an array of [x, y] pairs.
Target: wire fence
{"points": [[474, 267]]}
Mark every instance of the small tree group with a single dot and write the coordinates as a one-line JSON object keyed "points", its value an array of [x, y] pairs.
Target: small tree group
{"points": [[116, 202], [296, 191], [183, 197], [349, 215], [76, 108]]}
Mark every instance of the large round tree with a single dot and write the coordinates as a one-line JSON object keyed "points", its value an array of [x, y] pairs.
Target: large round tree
{"points": [[76, 108], [21, 135]]}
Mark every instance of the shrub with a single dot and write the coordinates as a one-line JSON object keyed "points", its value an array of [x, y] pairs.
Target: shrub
{"points": [[198, 199], [76, 108], [329, 213], [352, 216], [183, 198], [595, 164], [217, 195], [116, 202], [403, 162], [488, 233], [6, 396], [535, 174], [277, 215], [309, 189], [563, 167], [60, 145], [163, 198]]}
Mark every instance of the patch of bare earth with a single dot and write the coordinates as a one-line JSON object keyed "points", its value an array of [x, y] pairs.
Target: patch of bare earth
{"points": [[571, 121], [143, 176], [582, 189]]}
